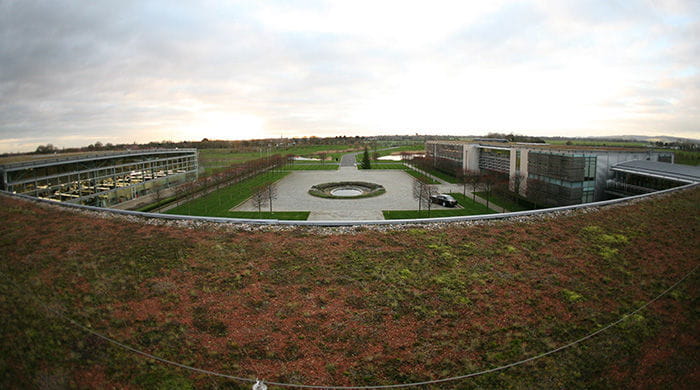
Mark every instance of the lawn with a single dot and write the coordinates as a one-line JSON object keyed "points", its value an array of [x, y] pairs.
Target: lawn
{"points": [[214, 160], [283, 215], [386, 151], [218, 203], [388, 165], [467, 208], [504, 202], [686, 157], [420, 176], [442, 175], [628, 144], [316, 166], [352, 306]]}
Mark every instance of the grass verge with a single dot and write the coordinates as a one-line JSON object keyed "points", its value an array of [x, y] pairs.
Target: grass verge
{"points": [[468, 208], [390, 165], [311, 167], [155, 205], [420, 176], [502, 201], [218, 203], [442, 175], [285, 215]]}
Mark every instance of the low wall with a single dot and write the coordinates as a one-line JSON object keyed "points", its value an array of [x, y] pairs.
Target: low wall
{"points": [[353, 223]]}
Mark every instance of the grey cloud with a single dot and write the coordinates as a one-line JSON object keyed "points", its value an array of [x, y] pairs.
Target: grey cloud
{"points": [[85, 68]]}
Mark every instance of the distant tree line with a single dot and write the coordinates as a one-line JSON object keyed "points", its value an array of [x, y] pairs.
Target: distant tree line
{"points": [[240, 145]]}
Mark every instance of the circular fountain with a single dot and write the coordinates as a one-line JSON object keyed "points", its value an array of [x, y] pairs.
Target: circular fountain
{"points": [[346, 190]]}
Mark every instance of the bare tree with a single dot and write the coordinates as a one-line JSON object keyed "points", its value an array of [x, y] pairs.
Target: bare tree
{"points": [[474, 178], [462, 175], [322, 156], [270, 191], [489, 180], [418, 185], [517, 180], [429, 191], [157, 190], [422, 192], [259, 198]]}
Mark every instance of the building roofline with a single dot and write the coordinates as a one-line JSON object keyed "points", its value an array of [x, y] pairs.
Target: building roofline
{"points": [[566, 148], [89, 157], [660, 169]]}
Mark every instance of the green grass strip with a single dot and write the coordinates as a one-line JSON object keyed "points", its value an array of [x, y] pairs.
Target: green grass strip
{"points": [[286, 215], [390, 165], [311, 167], [155, 205], [504, 202], [468, 208], [421, 176], [442, 175], [218, 203]]}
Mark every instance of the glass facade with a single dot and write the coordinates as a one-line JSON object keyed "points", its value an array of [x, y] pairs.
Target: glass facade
{"points": [[103, 180], [558, 179]]}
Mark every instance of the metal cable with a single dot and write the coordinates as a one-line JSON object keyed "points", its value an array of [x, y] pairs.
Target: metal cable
{"points": [[413, 384]]}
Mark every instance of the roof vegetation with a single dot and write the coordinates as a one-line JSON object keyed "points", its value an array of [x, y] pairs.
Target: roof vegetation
{"points": [[364, 306]]}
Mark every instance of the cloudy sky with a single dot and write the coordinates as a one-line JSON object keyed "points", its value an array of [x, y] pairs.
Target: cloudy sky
{"points": [[76, 72]]}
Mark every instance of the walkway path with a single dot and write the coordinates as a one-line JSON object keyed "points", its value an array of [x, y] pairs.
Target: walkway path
{"points": [[348, 160]]}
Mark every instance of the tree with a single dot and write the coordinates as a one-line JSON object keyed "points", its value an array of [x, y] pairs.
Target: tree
{"points": [[157, 191], [463, 176], [474, 181], [49, 148], [271, 193], [418, 191], [322, 156], [366, 164], [259, 198], [489, 180], [517, 180], [422, 191]]}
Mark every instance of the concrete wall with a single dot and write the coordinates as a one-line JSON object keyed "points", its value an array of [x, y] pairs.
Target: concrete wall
{"points": [[472, 159]]}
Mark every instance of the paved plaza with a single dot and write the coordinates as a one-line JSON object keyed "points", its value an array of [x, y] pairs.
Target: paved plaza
{"points": [[293, 194]]}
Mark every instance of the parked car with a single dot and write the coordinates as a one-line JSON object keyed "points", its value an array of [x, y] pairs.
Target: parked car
{"points": [[443, 199]]}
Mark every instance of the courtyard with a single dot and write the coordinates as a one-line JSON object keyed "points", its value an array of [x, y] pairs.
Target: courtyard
{"points": [[293, 194]]}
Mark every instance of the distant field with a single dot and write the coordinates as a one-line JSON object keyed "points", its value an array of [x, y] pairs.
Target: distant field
{"points": [[599, 143], [686, 157], [212, 159]]}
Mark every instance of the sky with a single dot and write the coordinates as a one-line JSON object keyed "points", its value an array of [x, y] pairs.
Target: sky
{"points": [[77, 72]]}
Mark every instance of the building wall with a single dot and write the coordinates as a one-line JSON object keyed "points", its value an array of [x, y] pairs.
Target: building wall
{"points": [[566, 168], [606, 159]]}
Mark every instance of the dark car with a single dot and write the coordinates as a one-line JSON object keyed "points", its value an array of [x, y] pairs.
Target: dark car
{"points": [[443, 199]]}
